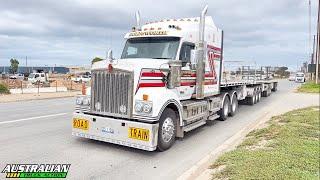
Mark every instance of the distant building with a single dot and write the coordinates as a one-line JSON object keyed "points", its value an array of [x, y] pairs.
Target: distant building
{"points": [[23, 69]]}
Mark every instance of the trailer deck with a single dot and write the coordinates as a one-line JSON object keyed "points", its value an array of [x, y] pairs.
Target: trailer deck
{"points": [[245, 82]]}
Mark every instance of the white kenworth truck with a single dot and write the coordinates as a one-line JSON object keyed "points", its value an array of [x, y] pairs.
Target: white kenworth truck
{"points": [[167, 82]]}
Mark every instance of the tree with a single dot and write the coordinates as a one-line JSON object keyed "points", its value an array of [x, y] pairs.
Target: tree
{"points": [[14, 65], [96, 59], [282, 71]]}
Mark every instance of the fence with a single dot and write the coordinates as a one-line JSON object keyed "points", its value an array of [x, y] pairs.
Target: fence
{"points": [[53, 85]]}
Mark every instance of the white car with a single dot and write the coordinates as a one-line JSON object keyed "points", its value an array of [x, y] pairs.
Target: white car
{"points": [[17, 76], [292, 77], [82, 78], [37, 77]]}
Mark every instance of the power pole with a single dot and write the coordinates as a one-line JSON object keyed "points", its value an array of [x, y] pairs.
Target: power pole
{"points": [[26, 64], [318, 44], [309, 44]]}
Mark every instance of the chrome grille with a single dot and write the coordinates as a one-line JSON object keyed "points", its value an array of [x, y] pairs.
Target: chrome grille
{"points": [[112, 93]]}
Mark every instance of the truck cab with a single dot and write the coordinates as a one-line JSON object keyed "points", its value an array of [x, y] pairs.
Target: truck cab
{"points": [[167, 82], [300, 77]]}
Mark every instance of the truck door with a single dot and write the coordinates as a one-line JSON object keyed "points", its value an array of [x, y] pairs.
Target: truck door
{"points": [[188, 81], [185, 53]]}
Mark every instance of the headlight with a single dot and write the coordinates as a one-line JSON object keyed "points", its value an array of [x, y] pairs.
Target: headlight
{"points": [[144, 107], [147, 108], [138, 107], [86, 101], [83, 100], [79, 100]]}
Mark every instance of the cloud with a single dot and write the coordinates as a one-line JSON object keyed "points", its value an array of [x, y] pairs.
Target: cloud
{"points": [[73, 32]]}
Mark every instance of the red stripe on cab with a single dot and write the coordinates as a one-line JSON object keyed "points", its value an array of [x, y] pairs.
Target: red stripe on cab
{"points": [[152, 74], [162, 84], [213, 47]]}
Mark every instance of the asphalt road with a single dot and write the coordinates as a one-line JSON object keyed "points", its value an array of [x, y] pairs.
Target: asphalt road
{"points": [[40, 132]]}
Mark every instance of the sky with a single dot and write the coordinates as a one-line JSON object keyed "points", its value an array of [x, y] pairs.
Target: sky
{"points": [[72, 32]]}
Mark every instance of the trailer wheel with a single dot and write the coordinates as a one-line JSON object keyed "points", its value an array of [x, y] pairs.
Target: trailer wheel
{"points": [[251, 100], [167, 129], [275, 87], [259, 97], [268, 92], [234, 106], [256, 98], [264, 94], [224, 111]]}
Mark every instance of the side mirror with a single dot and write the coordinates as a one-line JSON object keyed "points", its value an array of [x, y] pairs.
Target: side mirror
{"points": [[194, 57], [109, 55]]}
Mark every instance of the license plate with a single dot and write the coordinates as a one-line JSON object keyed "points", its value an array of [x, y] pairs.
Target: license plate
{"points": [[80, 123], [138, 133]]}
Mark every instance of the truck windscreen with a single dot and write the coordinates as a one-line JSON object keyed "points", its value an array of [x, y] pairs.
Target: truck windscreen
{"points": [[151, 47]]}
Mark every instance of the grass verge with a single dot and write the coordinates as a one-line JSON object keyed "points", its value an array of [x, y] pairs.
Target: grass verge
{"points": [[309, 87], [287, 149], [4, 89]]}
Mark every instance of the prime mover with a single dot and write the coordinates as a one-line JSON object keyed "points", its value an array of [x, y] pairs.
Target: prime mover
{"points": [[167, 82]]}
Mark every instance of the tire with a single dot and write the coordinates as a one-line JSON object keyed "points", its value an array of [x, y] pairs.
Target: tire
{"points": [[269, 92], [256, 98], [264, 94], [259, 97], [167, 130], [252, 100], [224, 111], [234, 106], [275, 87]]}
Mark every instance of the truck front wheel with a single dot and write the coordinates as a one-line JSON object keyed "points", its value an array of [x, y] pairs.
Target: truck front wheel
{"points": [[167, 129]]}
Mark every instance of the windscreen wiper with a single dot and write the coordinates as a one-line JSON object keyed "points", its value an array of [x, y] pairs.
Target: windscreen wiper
{"points": [[161, 58]]}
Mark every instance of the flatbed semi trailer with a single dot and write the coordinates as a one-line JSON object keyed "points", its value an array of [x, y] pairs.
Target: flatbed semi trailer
{"points": [[167, 82]]}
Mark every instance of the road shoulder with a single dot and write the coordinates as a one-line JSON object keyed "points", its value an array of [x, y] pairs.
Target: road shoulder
{"points": [[201, 169]]}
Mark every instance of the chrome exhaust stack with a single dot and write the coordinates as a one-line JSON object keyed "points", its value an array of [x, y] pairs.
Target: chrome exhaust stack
{"points": [[138, 24], [202, 24], [200, 56]]}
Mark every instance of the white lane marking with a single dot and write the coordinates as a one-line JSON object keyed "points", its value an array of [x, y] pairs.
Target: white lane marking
{"points": [[32, 118]]}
